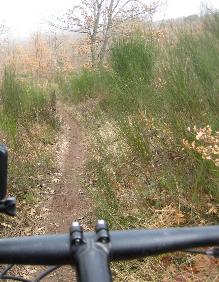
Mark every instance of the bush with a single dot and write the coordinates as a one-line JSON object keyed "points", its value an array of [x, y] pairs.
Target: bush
{"points": [[24, 101], [133, 59], [79, 87]]}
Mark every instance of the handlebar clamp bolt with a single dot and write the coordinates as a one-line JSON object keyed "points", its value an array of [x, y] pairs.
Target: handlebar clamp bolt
{"points": [[102, 231], [76, 233]]}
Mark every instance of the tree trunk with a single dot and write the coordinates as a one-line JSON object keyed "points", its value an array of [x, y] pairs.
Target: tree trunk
{"points": [[106, 35], [93, 52], [93, 37]]}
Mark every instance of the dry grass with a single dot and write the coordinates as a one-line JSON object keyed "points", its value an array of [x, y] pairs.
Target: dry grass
{"points": [[130, 199]]}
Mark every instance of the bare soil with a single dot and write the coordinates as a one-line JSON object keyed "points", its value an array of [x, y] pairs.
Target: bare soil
{"points": [[68, 200]]}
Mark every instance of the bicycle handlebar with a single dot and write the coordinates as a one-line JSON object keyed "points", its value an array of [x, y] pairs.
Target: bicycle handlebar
{"points": [[91, 252], [57, 249]]}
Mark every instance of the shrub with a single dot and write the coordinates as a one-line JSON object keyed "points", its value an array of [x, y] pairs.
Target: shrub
{"points": [[87, 84], [25, 102]]}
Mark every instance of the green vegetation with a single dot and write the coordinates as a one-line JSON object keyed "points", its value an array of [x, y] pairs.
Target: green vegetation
{"points": [[79, 87], [28, 124], [24, 101], [153, 134]]}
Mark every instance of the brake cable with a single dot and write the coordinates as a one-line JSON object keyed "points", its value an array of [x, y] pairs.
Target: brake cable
{"points": [[213, 252]]}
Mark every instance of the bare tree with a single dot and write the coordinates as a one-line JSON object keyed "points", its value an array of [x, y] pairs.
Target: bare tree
{"points": [[99, 18]]}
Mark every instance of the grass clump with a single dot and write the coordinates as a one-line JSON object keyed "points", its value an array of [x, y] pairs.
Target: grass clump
{"points": [[78, 88], [28, 124], [133, 60], [24, 101]]}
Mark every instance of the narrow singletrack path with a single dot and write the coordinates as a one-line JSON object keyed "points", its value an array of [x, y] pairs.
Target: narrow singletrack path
{"points": [[67, 200]]}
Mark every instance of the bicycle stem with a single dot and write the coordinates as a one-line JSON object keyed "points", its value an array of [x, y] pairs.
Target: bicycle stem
{"points": [[91, 256], [92, 263]]}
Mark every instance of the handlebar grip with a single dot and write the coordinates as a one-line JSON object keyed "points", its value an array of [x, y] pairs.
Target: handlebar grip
{"points": [[3, 170]]}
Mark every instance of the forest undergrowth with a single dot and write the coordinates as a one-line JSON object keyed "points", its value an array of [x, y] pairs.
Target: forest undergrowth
{"points": [[28, 125], [151, 117]]}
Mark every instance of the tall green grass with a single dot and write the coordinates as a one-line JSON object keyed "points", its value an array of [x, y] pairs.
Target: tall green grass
{"points": [[25, 102], [190, 74], [133, 60], [27, 124], [87, 84]]}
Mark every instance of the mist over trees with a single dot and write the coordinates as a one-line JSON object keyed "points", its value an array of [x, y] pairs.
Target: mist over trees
{"points": [[100, 19]]}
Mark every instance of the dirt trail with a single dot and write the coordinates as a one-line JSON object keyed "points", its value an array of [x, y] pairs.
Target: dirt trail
{"points": [[67, 201]]}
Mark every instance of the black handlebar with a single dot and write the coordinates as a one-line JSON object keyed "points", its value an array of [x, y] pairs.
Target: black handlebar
{"points": [[135, 244], [91, 252], [57, 249]]}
